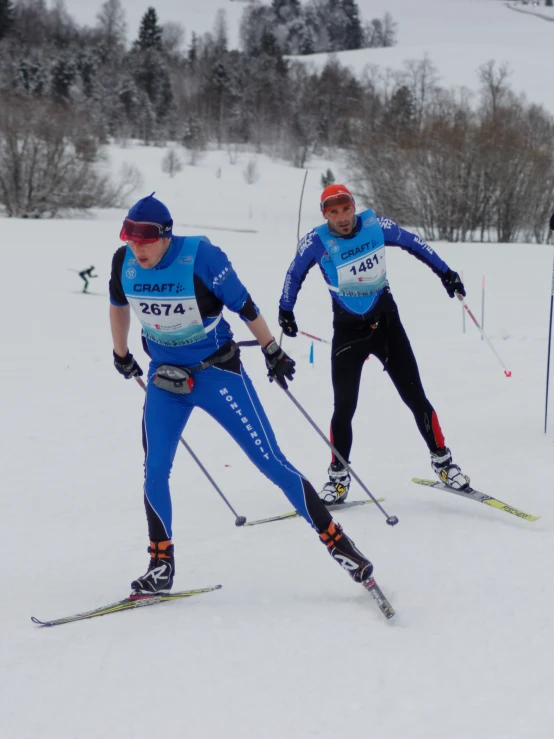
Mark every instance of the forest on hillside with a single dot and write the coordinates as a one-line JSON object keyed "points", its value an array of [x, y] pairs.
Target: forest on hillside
{"points": [[460, 167]]}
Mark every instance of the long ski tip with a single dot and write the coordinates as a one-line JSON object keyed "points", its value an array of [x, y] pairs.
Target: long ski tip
{"points": [[40, 623]]}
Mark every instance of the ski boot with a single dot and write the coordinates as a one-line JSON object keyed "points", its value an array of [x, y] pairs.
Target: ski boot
{"points": [[343, 550], [159, 575], [336, 490], [448, 473]]}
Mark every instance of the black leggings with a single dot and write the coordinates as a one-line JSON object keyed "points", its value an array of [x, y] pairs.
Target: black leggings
{"points": [[352, 344]]}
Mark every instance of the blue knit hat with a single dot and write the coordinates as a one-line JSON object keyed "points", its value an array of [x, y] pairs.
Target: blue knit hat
{"points": [[151, 210]]}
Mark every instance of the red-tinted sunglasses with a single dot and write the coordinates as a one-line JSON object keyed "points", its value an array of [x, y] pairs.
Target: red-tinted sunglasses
{"points": [[143, 232], [335, 200]]}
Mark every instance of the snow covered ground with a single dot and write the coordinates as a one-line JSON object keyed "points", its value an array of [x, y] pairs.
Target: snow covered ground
{"points": [[289, 646]]}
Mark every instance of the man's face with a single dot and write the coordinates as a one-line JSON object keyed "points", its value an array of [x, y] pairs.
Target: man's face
{"points": [[341, 218], [149, 255]]}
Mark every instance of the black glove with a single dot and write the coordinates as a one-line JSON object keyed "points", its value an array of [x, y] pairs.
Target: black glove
{"points": [[279, 364], [127, 365], [453, 284], [288, 323]]}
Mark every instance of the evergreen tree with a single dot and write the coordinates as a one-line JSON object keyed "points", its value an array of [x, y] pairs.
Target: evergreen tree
{"points": [[152, 77], [302, 38], [6, 17], [257, 22], [344, 27], [87, 68], [286, 10], [150, 32], [327, 178], [400, 115], [63, 74], [268, 44], [31, 75], [193, 136], [193, 51]]}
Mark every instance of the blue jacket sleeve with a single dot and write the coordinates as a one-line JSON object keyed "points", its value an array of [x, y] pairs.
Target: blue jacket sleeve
{"points": [[298, 269], [396, 236], [216, 272]]}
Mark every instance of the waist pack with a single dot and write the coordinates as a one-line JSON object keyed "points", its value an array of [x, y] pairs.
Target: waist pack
{"points": [[175, 379], [180, 380]]}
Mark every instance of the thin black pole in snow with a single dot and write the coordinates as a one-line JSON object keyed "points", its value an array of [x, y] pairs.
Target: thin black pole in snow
{"points": [[297, 228], [549, 337]]}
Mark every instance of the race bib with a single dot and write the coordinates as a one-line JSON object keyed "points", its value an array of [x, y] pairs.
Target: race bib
{"points": [[170, 322], [363, 276]]}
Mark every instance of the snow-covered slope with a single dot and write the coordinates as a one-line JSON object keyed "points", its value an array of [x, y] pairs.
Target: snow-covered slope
{"points": [[289, 646], [459, 36]]}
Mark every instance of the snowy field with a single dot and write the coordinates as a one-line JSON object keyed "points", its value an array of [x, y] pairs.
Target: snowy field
{"points": [[290, 646]]}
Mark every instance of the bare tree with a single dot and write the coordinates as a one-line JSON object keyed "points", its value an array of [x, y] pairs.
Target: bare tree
{"points": [[47, 160], [171, 162], [173, 38], [250, 172], [467, 174], [421, 77], [112, 24], [494, 86]]}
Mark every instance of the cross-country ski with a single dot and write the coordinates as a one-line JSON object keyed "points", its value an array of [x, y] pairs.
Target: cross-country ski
{"points": [[125, 605], [472, 494]]}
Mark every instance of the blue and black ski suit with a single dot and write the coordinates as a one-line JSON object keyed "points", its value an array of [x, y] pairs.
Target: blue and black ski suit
{"points": [[365, 316], [179, 304]]}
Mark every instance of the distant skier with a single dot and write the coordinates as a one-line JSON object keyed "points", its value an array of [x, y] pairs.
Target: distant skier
{"points": [[85, 274], [178, 287], [350, 252]]}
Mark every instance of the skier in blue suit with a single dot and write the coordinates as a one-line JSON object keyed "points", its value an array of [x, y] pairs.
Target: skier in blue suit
{"points": [[350, 252], [178, 287]]}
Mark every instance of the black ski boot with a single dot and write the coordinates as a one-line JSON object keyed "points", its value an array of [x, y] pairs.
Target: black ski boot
{"points": [[159, 575], [343, 550]]}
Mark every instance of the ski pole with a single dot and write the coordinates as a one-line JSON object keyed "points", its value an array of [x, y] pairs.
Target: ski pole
{"points": [[391, 520], [316, 338], [507, 372], [300, 208], [549, 339], [323, 341], [297, 229], [239, 520]]}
